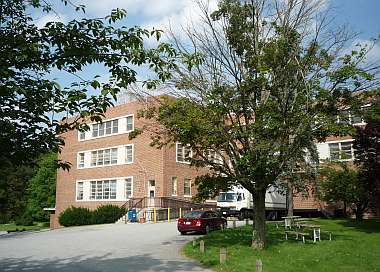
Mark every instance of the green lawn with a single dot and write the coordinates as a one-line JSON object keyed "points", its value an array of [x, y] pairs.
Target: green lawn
{"points": [[355, 247], [14, 227]]}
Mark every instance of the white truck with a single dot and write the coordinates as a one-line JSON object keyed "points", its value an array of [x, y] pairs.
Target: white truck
{"points": [[238, 202]]}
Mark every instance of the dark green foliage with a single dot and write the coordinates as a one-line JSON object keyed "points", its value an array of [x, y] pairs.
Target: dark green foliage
{"points": [[41, 189], [30, 102], [75, 216], [25, 220], [107, 214], [78, 216]]}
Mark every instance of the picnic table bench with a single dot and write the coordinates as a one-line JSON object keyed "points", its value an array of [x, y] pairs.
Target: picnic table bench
{"points": [[297, 233]]}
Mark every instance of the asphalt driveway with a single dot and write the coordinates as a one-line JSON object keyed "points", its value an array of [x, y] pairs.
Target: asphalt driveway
{"points": [[115, 247]]}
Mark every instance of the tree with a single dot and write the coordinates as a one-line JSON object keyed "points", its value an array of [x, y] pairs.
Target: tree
{"points": [[41, 188], [367, 150], [257, 88], [35, 109]]}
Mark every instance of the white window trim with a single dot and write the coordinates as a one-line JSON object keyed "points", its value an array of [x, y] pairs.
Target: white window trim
{"points": [[176, 154], [340, 148], [190, 195], [108, 165], [100, 179], [132, 187], [112, 134]]}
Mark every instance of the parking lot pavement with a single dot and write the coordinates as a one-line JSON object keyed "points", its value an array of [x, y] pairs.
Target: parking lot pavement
{"points": [[114, 247]]}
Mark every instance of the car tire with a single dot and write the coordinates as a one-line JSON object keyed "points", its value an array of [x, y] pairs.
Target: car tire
{"points": [[183, 232]]}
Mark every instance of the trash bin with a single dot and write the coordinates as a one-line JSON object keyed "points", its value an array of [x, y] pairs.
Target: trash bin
{"points": [[132, 215]]}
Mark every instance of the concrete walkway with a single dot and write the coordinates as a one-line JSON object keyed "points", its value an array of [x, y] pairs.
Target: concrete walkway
{"points": [[115, 247]]}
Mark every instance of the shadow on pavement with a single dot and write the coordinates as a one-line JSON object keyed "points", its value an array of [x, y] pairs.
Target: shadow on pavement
{"points": [[102, 263]]}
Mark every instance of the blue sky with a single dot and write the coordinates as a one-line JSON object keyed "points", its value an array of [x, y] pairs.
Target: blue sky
{"points": [[362, 16]]}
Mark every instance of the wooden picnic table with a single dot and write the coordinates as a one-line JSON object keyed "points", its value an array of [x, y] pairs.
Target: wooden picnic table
{"points": [[316, 230], [289, 220]]}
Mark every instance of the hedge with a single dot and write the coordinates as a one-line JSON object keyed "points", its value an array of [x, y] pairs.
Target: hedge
{"points": [[79, 216]]}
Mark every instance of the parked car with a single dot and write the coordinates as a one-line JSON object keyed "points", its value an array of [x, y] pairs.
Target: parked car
{"points": [[201, 221]]}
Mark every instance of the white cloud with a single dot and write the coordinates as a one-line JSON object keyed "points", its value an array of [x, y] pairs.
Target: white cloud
{"points": [[373, 55]]}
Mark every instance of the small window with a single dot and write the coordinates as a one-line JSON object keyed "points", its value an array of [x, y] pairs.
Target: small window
{"points": [[128, 188], [341, 151], [184, 153], [114, 156], [101, 129], [113, 189], [94, 156], [129, 121], [79, 190], [115, 126], [95, 130], [82, 135], [174, 186], [152, 183], [129, 153], [187, 187], [107, 156], [108, 127], [80, 160]]}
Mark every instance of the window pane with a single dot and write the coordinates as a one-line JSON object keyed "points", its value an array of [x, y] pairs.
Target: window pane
{"points": [[106, 189], [93, 190], [346, 150], [100, 157], [108, 127], [95, 130], [179, 153], [129, 123], [113, 189], [128, 188], [186, 187], [79, 190], [101, 129], [114, 156], [187, 152], [81, 160], [129, 153], [99, 189], [82, 135], [115, 126], [107, 156], [334, 151], [94, 156]]}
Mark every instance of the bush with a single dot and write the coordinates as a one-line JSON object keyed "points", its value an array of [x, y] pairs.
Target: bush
{"points": [[25, 220], [107, 214], [75, 216]]}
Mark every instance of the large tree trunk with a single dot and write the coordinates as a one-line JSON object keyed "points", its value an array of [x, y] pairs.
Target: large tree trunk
{"points": [[258, 235], [290, 199]]}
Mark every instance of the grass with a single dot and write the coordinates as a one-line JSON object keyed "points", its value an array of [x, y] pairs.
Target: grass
{"points": [[11, 227], [354, 247]]}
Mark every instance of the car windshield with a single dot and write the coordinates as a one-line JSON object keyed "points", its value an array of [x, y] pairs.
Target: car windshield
{"points": [[226, 197], [194, 214]]}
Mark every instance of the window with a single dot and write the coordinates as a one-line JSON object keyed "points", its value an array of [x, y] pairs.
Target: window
{"points": [[103, 189], [80, 160], [349, 118], [82, 135], [129, 121], [129, 153], [214, 157], [183, 153], [79, 190], [187, 187], [104, 157], [341, 151], [105, 128], [128, 188], [174, 186]]}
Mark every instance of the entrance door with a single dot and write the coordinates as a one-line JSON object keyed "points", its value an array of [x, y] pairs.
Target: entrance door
{"points": [[151, 192]]}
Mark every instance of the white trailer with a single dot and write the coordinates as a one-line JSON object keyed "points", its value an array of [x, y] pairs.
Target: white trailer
{"points": [[238, 202]]}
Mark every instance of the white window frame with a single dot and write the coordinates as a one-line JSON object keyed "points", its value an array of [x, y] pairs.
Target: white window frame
{"points": [[102, 181], [188, 179], [174, 192], [76, 190], [351, 141], [80, 163], [125, 187], [183, 153], [133, 153], [119, 130]]}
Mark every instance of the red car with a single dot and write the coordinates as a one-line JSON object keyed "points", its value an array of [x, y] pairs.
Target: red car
{"points": [[201, 221]]}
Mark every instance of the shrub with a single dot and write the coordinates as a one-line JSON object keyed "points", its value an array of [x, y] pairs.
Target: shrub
{"points": [[25, 220], [107, 214], [75, 216]]}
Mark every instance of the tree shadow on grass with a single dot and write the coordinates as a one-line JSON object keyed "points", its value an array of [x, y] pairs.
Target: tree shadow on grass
{"points": [[104, 263], [366, 225]]}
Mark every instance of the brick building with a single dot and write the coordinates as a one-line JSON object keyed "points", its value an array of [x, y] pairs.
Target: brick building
{"points": [[107, 167]]}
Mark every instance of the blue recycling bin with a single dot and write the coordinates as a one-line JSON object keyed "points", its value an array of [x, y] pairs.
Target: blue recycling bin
{"points": [[132, 215]]}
